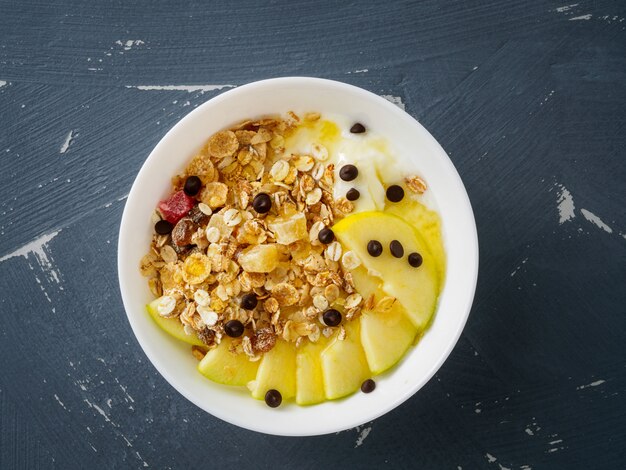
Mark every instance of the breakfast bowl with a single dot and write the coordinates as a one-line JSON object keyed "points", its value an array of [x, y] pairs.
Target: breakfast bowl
{"points": [[417, 151]]}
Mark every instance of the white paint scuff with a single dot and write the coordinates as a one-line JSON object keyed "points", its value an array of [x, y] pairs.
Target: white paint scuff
{"points": [[129, 43], [363, 433], [594, 219], [592, 384], [67, 142], [187, 88], [395, 100], [581, 17], [36, 247], [59, 401], [3, 83], [565, 204], [519, 267], [565, 8]]}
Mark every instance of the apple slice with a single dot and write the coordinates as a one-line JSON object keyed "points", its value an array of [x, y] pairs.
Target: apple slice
{"points": [[428, 225], [386, 336], [309, 377], [173, 326], [416, 288], [344, 366], [224, 367], [277, 371]]}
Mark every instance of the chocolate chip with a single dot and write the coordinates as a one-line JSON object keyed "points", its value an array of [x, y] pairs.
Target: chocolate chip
{"points": [[233, 328], [374, 248], [192, 185], [357, 128], [348, 172], [326, 235], [331, 317], [262, 203], [163, 227], [368, 386], [395, 193], [415, 260], [396, 249], [249, 301], [353, 194], [273, 398]]}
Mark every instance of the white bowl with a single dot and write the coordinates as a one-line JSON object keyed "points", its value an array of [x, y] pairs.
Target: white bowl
{"points": [[173, 359]]}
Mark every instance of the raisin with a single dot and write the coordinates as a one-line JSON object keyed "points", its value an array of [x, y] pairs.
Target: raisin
{"points": [[263, 340], [198, 217], [207, 336], [183, 231]]}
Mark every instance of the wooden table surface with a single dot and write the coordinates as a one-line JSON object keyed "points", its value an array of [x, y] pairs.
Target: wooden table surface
{"points": [[528, 99]]}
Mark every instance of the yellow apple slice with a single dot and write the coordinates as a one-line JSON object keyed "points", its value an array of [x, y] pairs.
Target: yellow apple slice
{"points": [[415, 288], [173, 326], [309, 377], [228, 368], [386, 336], [277, 371], [344, 366], [427, 223]]}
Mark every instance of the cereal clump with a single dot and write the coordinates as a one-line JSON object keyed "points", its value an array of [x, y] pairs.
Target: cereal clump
{"points": [[254, 232]]}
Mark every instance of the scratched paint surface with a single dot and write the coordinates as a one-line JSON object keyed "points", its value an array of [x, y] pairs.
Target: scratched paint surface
{"points": [[529, 100]]}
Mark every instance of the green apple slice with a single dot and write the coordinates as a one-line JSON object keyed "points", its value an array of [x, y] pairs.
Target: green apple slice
{"points": [[344, 366], [386, 336], [309, 377], [173, 326], [277, 371], [416, 288], [224, 367]]}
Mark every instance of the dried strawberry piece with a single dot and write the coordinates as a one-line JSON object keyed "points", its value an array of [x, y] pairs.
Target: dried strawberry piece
{"points": [[176, 206]]}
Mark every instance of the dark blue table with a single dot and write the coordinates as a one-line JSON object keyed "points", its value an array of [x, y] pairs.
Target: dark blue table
{"points": [[529, 100]]}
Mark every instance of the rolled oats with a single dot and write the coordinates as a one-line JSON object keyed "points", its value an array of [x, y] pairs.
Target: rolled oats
{"points": [[415, 184], [165, 305], [353, 301], [350, 260], [213, 234], [313, 116], [319, 152], [334, 251], [168, 254], [280, 170], [320, 302], [331, 293], [232, 217], [304, 163], [317, 171], [209, 317], [385, 304], [314, 196], [202, 297]]}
